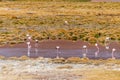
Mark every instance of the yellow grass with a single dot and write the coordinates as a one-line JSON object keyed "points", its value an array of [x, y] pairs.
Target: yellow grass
{"points": [[45, 20]]}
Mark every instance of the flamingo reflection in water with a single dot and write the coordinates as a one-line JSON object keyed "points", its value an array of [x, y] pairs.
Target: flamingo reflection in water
{"points": [[36, 47]]}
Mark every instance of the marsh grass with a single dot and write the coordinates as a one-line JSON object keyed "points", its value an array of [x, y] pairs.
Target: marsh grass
{"points": [[22, 58], [88, 21]]}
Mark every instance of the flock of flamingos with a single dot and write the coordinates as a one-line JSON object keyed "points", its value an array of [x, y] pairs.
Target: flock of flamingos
{"points": [[84, 51]]}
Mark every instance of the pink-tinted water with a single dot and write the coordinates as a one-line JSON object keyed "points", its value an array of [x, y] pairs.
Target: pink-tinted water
{"points": [[67, 49]]}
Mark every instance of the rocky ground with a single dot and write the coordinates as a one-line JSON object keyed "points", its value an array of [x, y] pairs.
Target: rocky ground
{"points": [[42, 69]]}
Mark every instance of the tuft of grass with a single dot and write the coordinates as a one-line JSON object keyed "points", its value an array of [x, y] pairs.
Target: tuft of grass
{"points": [[73, 60], [58, 60], [2, 57], [22, 58]]}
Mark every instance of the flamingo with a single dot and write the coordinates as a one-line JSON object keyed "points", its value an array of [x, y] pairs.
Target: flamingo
{"points": [[57, 47], [28, 37], [85, 49], [107, 42], [66, 22], [29, 47], [29, 44], [113, 50], [96, 53]]}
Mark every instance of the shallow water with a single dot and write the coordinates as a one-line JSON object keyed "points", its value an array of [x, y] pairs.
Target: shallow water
{"points": [[52, 53]]}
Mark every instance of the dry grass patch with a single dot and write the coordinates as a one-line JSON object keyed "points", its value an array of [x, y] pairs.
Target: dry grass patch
{"points": [[57, 60], [2, 57], [73, 60], [43, 19], [13, 58], [24, 58], [77, 60], [65, 67]]}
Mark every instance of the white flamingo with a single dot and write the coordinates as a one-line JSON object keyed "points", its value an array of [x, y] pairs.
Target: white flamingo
{"points": [[107, 40], [57, 47], [85, 51], [29, 44], [96, 53], [28, 37], [113, 50], [66, 22], [29, 47]]}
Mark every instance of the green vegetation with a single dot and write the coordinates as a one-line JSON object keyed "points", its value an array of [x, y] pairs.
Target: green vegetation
{"points": [[46, 20]]}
